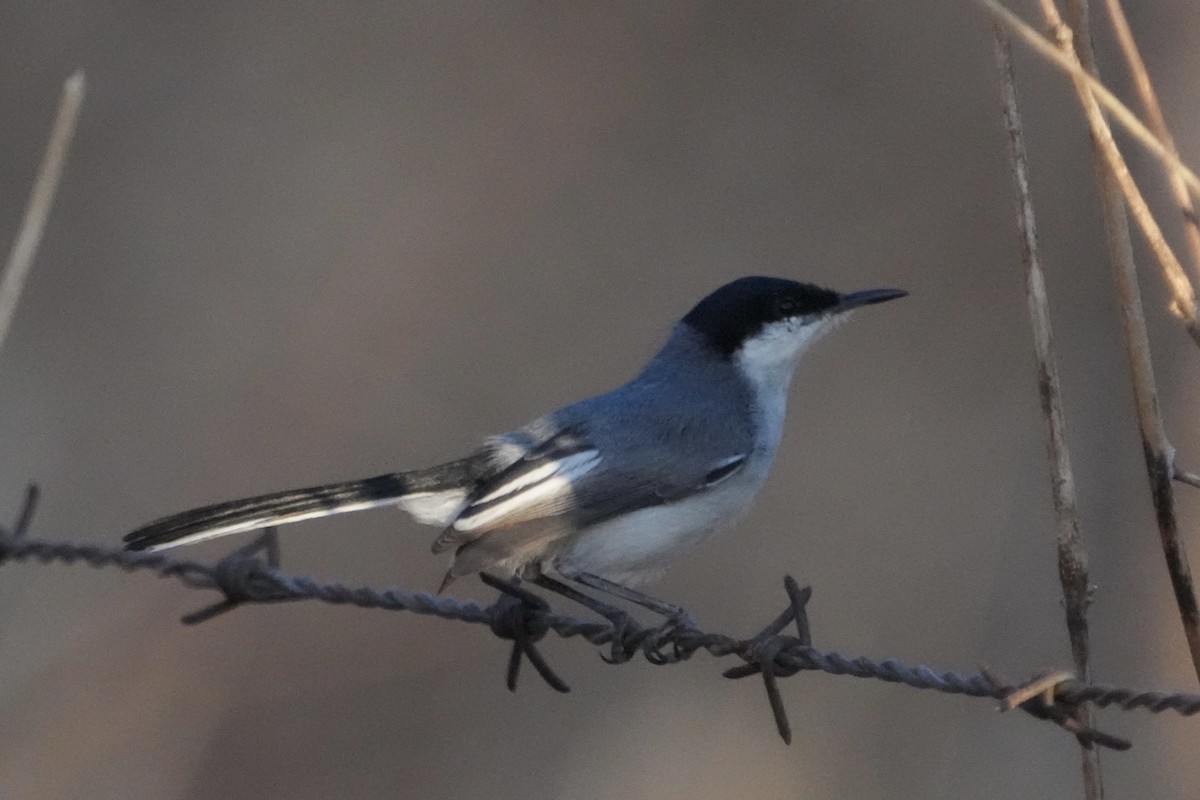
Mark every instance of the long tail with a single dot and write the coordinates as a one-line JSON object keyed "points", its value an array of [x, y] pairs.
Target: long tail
{"points": [[431, 495]]}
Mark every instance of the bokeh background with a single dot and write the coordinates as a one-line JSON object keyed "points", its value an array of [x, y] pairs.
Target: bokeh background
{"points": [[299, 243]]}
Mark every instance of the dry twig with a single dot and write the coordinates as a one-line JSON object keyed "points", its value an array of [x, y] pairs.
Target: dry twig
{"points": [[1158, 122], [1183, 476], [1183, 294], [41, 200], [1159, 454], [1114, 106], [1072, 556]]}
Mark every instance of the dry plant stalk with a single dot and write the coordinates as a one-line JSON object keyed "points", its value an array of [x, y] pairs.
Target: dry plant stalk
{"points": [[1106, 98], [1183, 294], [1072, 556], [1158, 123], [1190, 478], [41, 200], [1089, 89], [1159, 454]]}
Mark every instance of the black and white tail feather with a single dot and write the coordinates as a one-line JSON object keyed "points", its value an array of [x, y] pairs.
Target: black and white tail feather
{"points": [[516, 481], [432, 496]]}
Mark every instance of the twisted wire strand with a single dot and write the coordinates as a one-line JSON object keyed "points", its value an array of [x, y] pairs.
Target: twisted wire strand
{"points": [[244, 577]]}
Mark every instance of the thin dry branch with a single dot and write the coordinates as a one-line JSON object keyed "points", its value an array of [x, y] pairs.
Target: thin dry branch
{"points": [[1072, 556], [1183, 476], [41, 200], [1183, 294], [1158, 123], [1159, 454], [1114, 106]]}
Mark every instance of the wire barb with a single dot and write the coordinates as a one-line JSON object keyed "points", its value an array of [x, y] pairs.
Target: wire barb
{"points": [[520, 615], [764, 650], [28, 506], [234, 575], [25, 514]]}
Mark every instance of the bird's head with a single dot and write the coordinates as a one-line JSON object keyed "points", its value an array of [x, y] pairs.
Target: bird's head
{"points": [[765, 324]]}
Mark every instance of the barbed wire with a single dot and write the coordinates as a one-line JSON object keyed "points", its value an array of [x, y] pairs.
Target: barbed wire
{"points": [[251, 574]]}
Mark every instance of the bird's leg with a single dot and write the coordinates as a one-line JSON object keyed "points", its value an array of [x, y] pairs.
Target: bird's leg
{"points": [[610, 613], [671, 612]]}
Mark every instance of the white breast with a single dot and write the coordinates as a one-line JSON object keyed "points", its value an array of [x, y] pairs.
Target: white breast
{"points": [[637, 546]]}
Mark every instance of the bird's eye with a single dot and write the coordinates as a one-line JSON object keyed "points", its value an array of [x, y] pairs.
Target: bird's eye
{"points": [[788, 307]]}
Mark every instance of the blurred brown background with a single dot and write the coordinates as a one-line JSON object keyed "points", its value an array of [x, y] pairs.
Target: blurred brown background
{"points": [[299, 243]]}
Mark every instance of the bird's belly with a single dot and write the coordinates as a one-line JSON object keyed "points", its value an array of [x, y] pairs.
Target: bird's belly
{"points": [[638, 546]]}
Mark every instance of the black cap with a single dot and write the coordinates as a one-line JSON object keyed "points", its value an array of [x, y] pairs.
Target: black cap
{"points": [[739, 310]]}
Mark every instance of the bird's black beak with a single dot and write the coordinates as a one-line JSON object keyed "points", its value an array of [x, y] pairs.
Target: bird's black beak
{"points": [[866, 297]]}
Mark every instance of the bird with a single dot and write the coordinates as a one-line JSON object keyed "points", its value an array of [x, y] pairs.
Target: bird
{"points": [[604, 492]]}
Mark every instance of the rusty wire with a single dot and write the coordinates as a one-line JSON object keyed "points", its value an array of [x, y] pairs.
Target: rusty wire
{"points": [[251, 574]]}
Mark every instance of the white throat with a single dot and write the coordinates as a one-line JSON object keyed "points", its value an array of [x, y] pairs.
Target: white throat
{"points": [[768, 362]]}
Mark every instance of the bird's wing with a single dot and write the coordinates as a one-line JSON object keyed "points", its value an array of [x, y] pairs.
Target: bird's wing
{"points": [[567, 475]]}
